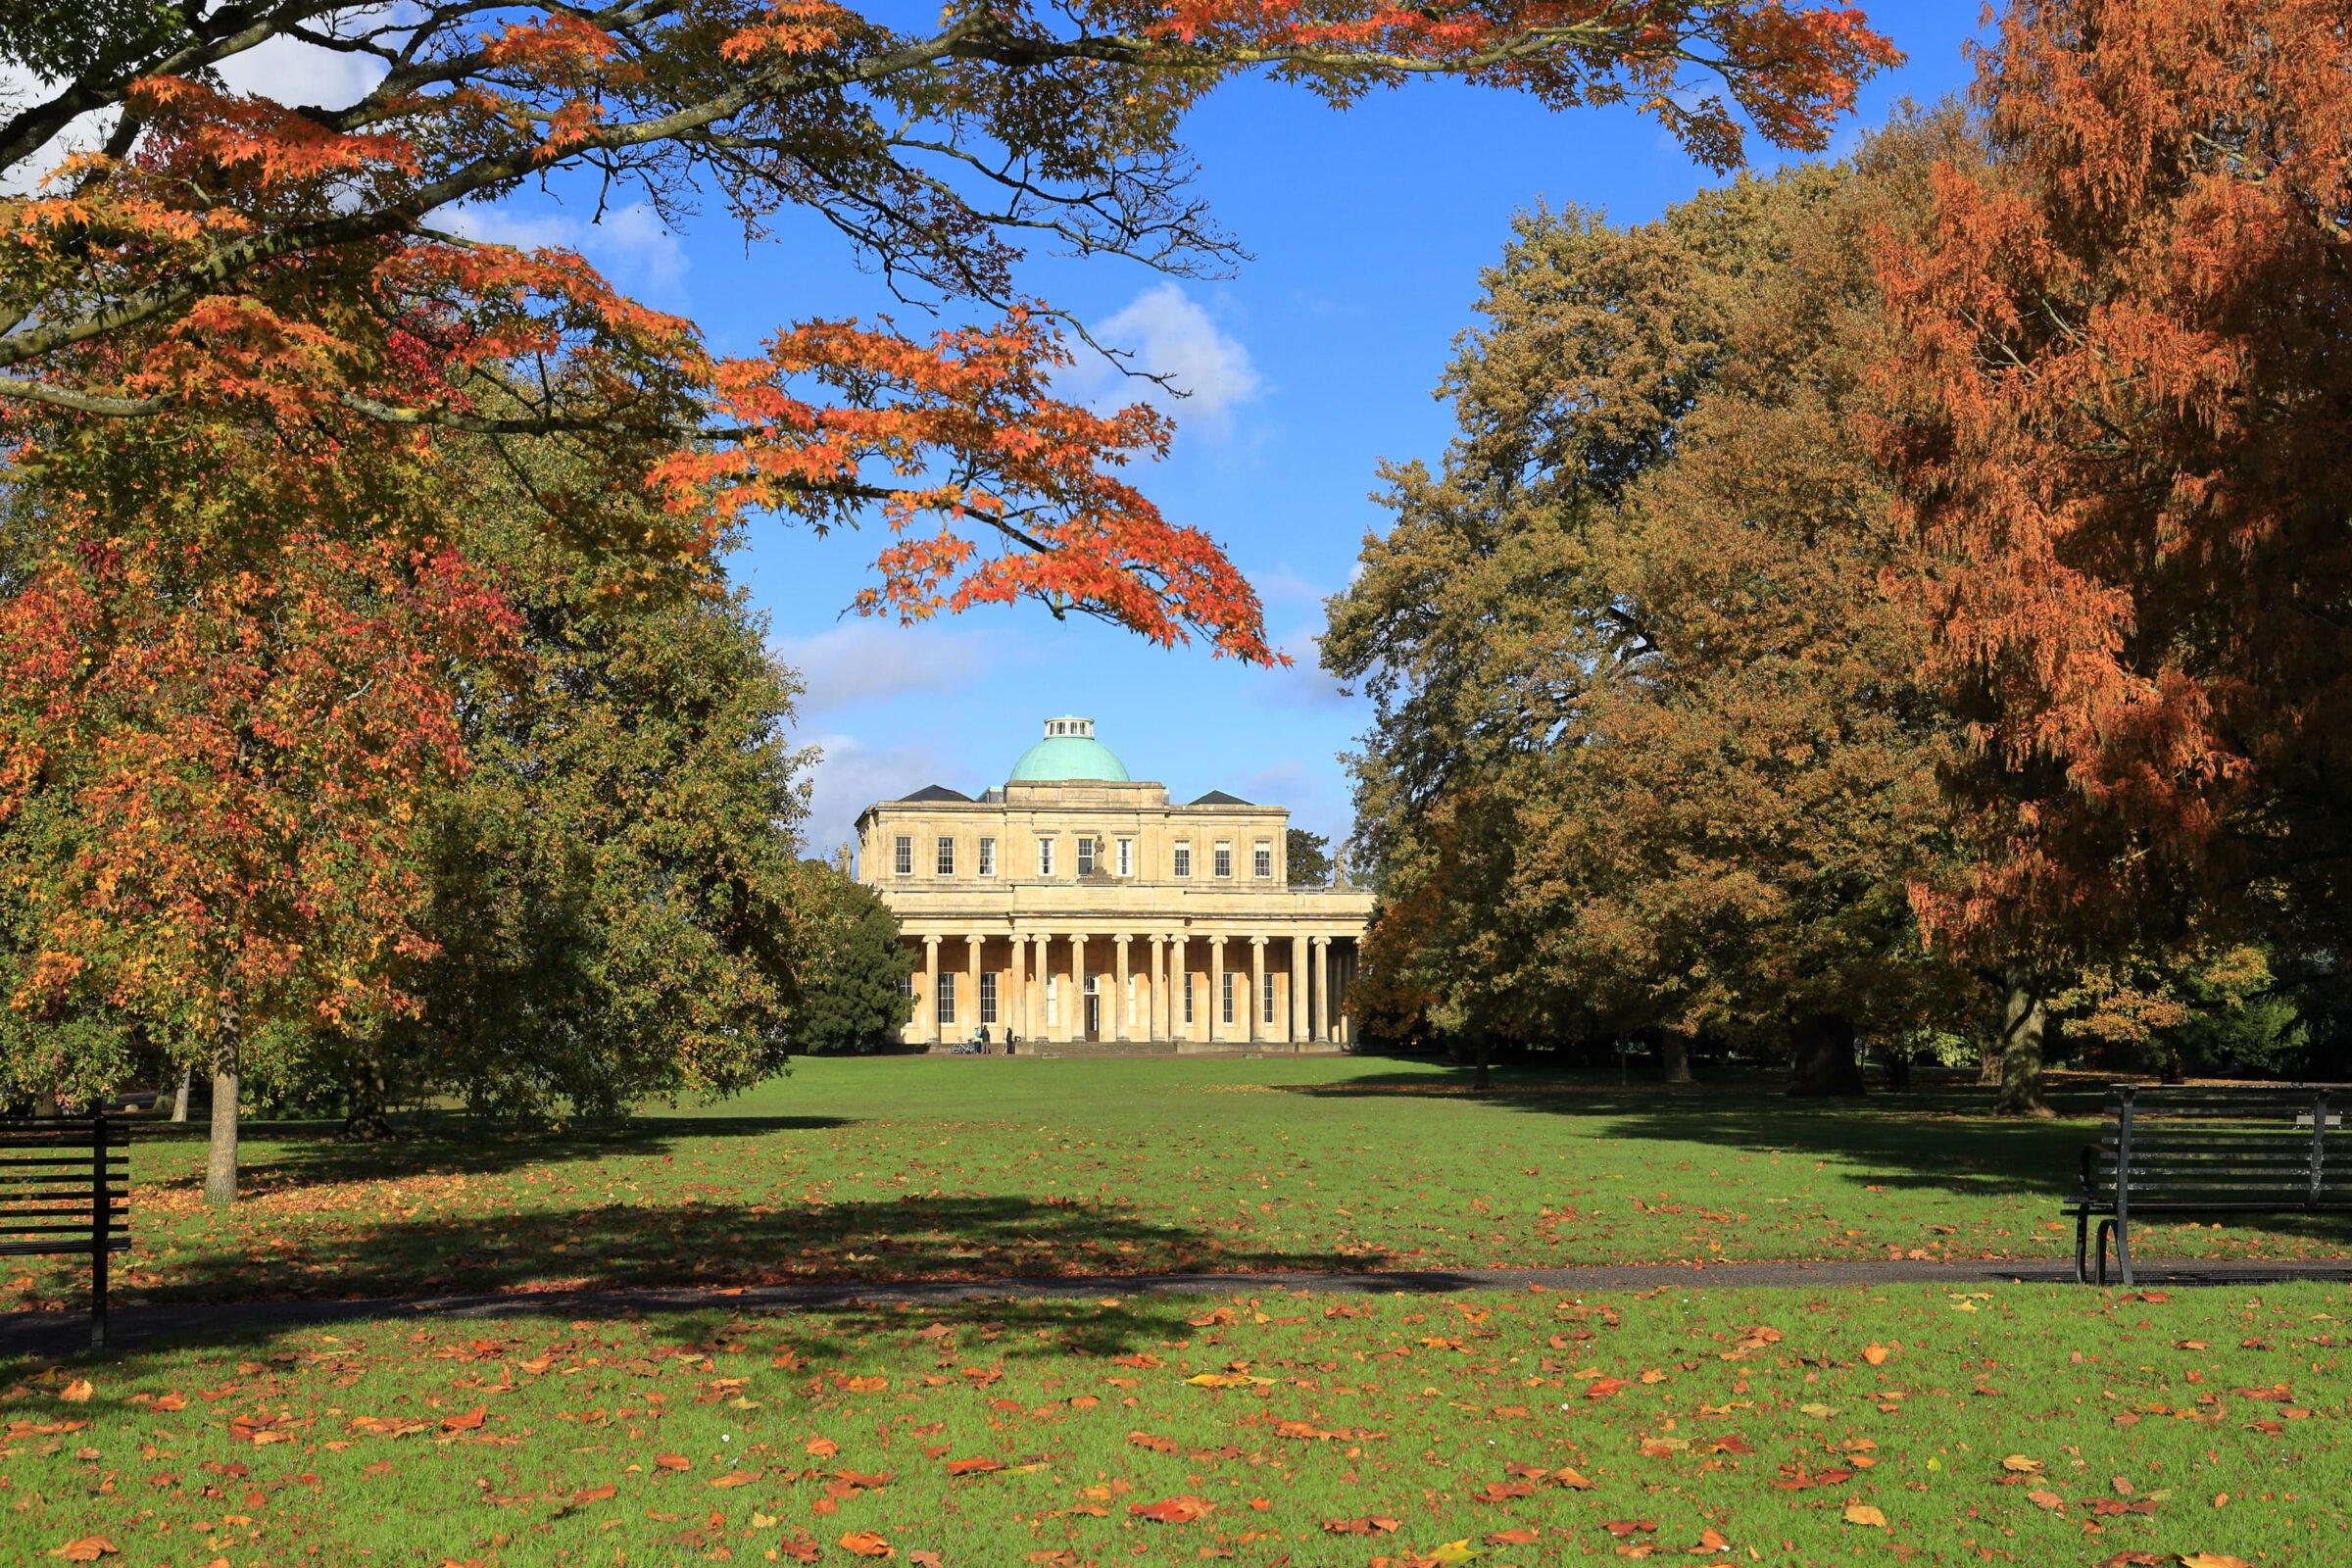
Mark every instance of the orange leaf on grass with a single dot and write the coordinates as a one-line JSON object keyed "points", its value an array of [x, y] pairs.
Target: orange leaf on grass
{"points": [[972, 1467], [471, 1421], [672, 1461], [1519, 1535], [1181, 1509], [86, 1548], [865, 1543], [1862, 1513], [1374, 1526]]}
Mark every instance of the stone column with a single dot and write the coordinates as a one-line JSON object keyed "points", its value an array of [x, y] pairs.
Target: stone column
{"points": [[970, 1006], [1176, 1024], [1322, 987], [1035, 988], [1120, 1022], [927, 1027], [1077, 987], [1257, 989], [1157, 1018], [1298, 989], [1217, 986]]}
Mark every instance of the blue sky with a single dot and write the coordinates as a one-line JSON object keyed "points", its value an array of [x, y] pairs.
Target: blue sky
{"points": [[1309, 365]]}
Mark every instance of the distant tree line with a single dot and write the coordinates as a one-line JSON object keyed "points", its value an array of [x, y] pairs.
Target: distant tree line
{"points": [[1898, 605]]}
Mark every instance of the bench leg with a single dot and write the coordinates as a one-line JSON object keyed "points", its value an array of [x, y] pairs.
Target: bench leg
{"points": [[2081, 1249], [2106, 1229], [2123, 1249], [98, 1296]]}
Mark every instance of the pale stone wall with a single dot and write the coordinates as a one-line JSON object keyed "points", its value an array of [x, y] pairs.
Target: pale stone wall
{"points": [[1018, 930]]}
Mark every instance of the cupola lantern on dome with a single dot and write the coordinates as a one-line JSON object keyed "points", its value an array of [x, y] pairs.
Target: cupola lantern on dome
{"points": [[1068, 753]]}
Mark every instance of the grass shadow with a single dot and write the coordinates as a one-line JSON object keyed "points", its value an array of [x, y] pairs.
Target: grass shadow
{"points": [[281, 1157]]}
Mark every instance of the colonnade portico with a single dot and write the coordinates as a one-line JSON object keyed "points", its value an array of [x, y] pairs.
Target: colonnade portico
{"points": [[1139, 987], [1074, 887]]}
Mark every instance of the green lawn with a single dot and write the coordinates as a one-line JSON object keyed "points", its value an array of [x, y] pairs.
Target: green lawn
{"points": [[2018, 1425], [906, 1167]]}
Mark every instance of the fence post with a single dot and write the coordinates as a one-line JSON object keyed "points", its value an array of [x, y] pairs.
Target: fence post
{"points": [[2319, 1145], [102, 1214]]}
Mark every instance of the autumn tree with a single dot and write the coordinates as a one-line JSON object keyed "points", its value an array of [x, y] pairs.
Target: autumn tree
{"points": [[1649, 754], [2122, 419]]}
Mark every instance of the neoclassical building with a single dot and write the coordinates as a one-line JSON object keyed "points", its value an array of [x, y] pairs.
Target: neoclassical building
{"points": [[1075, 903]]}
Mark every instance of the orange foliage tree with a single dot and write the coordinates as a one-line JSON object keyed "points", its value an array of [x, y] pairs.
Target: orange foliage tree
{"points": [[201, 213], [2122, 405]]}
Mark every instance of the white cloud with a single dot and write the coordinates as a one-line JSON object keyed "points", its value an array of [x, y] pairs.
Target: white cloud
{"points": [[1168, 334], [304, 76], [850, 776], [863, 661], [628, 244]]}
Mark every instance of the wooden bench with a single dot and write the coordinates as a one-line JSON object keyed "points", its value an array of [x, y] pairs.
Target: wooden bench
{"points": [[65, 1191], [2211, 1154]]}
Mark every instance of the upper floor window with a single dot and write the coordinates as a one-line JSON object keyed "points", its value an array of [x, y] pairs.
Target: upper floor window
{"points": [[1086, 856], [988, 857], [1045, 856], [1261, 861], [1182, 860], [903, 862], [1126, 857], [947, 857], [1224, 867]]}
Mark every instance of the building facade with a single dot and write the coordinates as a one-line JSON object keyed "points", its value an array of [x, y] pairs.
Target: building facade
{"points": [[1077, 904]]}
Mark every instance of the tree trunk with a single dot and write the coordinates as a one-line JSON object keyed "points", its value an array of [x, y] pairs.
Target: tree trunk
{"points": [[1988, 1064], [1486, 1052], [2025, 1015], [44, 1104], [1826, 1063], [179, 1102], [365, 1116], [221, 1160], [1673, 1057]]}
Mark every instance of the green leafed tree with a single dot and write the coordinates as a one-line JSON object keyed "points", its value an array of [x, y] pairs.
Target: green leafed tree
{"points": [[1307, 856], [619, 905], [855, 997], [1649, 753]]}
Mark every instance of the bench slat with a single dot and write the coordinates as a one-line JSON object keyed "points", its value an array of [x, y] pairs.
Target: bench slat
{"points": [[115, 1242]]}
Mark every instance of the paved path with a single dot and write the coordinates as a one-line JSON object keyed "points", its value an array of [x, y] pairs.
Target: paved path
{"points": [[131, 1327]]}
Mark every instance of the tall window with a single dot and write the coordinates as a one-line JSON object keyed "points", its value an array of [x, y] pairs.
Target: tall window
{"points": [[947, 857], [1224, 1002], [1045, 856], [988, 998], [904, 863], [988, 857], [1188, 999], [1086, 856], [1268, 1002], [946, 1011], [1183, 863], [1052, 1000], [1262, 862], [1224, 859], [1126, 857]]}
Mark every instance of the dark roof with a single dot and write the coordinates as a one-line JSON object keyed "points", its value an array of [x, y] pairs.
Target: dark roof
{"points": [[1220, 797], [935, 792]]}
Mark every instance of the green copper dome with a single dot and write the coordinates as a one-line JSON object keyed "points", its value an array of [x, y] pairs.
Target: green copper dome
{"points": [[1069, 752]]}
